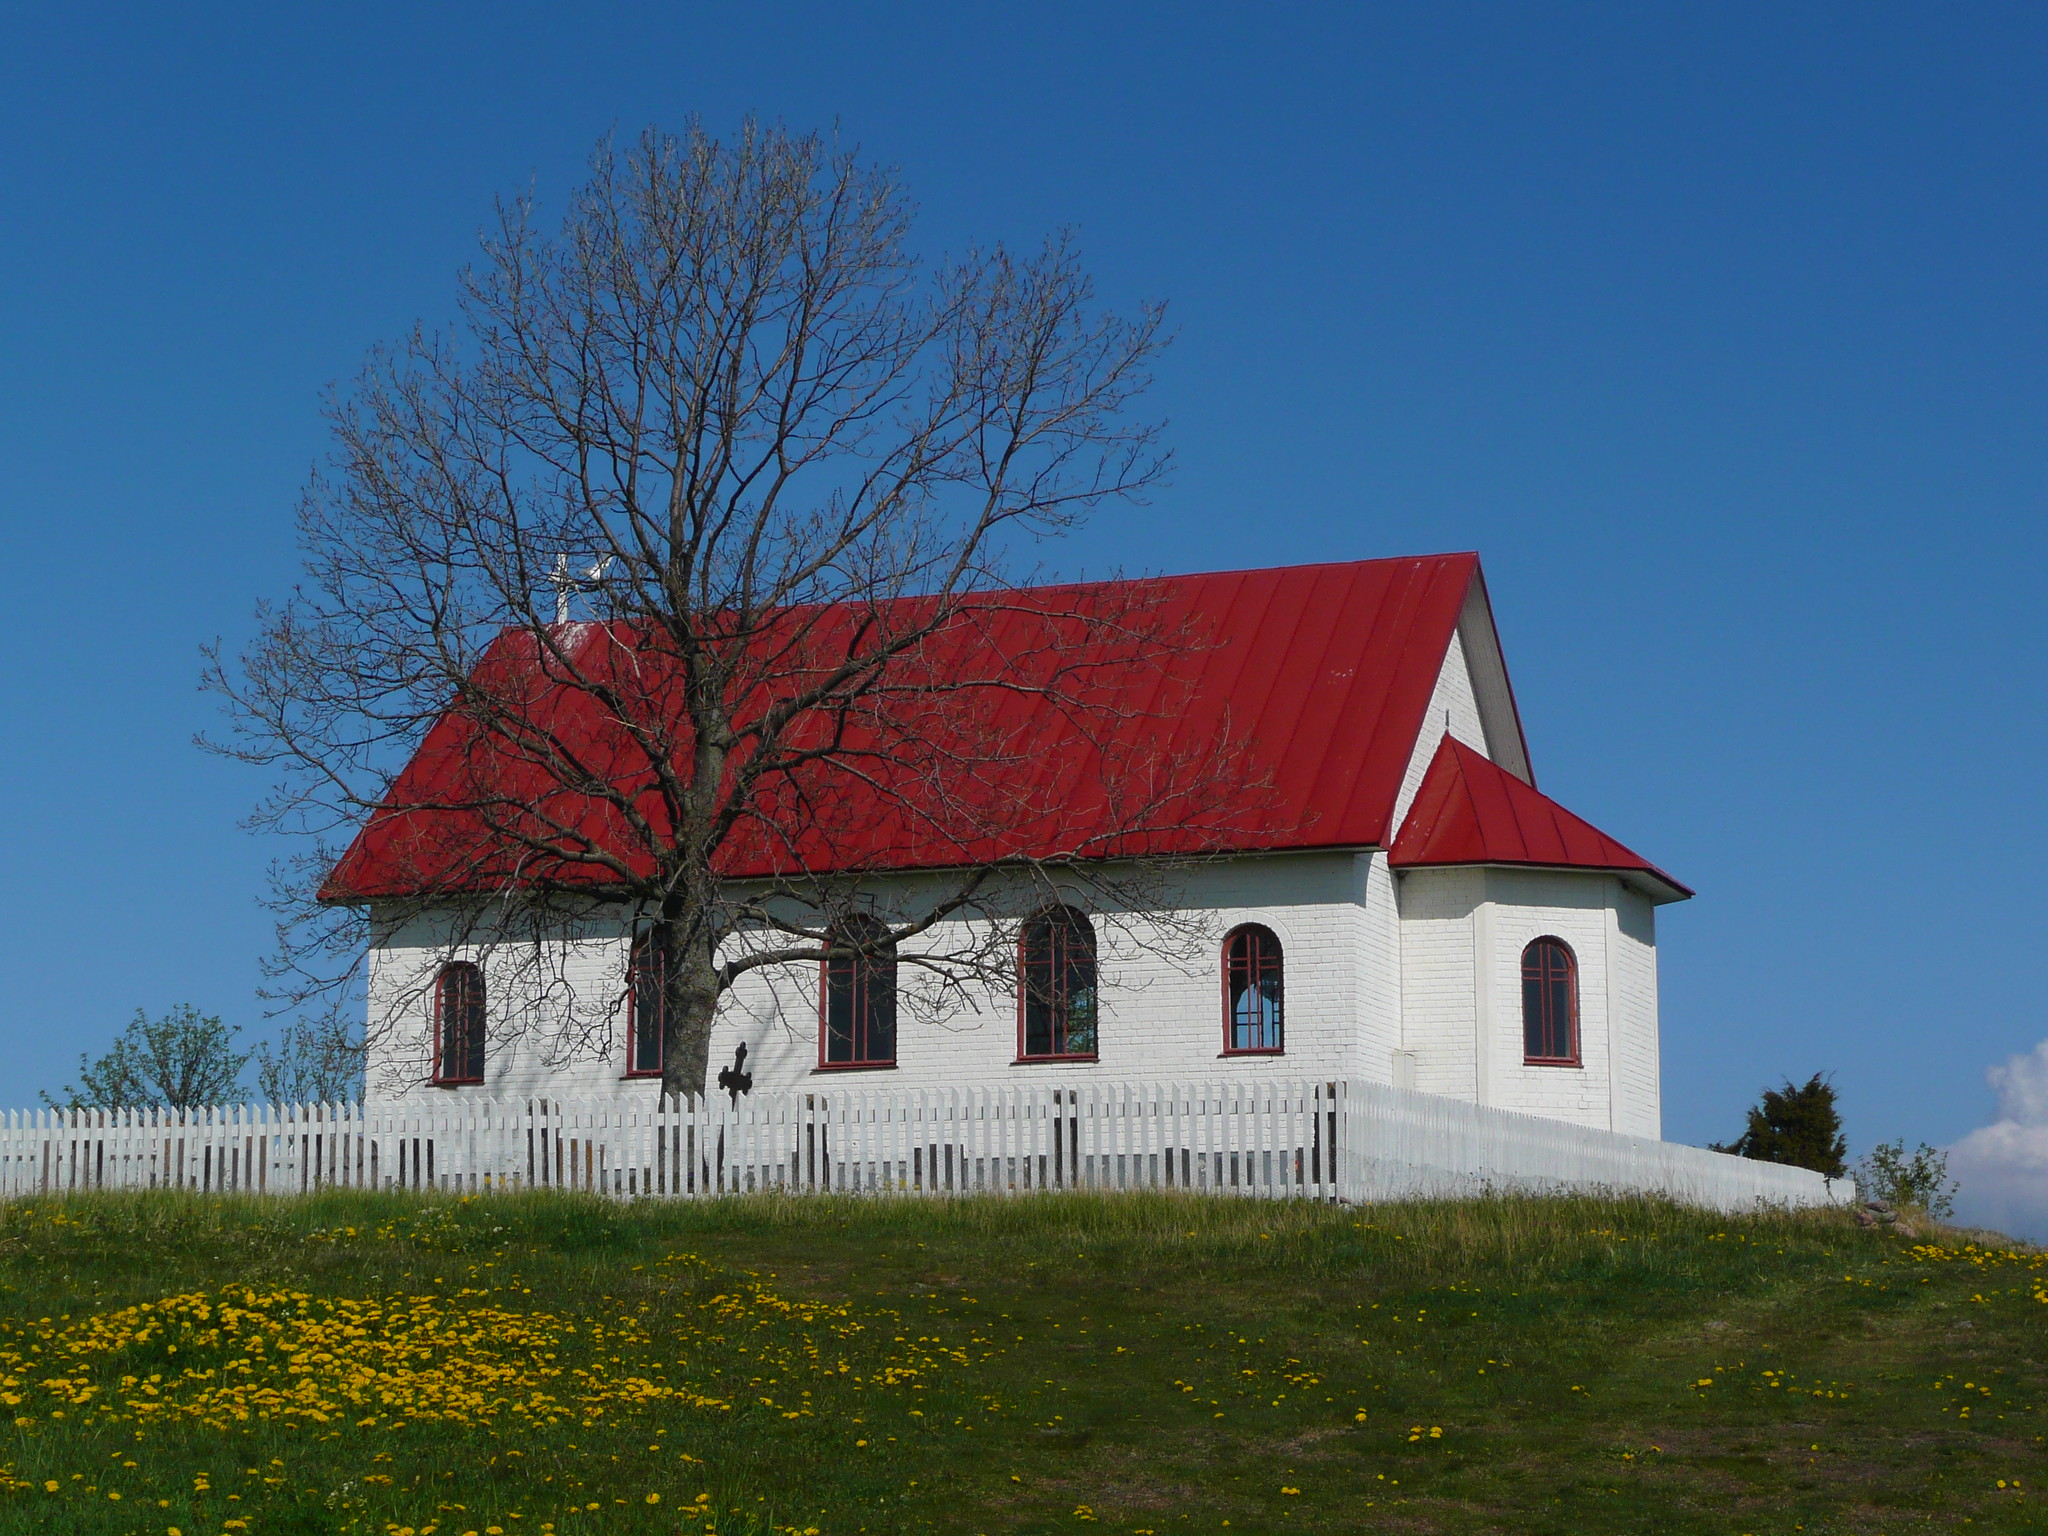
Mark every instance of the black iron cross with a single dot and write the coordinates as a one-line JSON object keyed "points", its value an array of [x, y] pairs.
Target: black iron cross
{"points": [[735, 1079]]}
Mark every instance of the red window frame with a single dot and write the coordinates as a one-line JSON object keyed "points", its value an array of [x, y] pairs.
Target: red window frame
{"points": [[1061, 926], [464, 974], [870, 978], [1550, 987], [642, 972], [1248, 962]]}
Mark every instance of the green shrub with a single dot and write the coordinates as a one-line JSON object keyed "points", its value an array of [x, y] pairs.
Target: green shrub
{"points": [[1796, 1125], [1918, 1179]]}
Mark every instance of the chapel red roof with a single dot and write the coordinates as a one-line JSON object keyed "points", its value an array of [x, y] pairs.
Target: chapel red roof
{"points": [[1322, 672], [1470, 810]]}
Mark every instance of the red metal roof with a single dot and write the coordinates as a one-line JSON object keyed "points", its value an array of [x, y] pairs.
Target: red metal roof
{"points": [[1322, 672], [1470, 810]]}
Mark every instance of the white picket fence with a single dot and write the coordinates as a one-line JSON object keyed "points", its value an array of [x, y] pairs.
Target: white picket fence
{"points": [[1324, 1140]]}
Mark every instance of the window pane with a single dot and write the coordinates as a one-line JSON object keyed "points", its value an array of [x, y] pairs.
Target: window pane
{"points": [[1080, 1018], [1533, 1030], [878, 1010], [1558, 1014], [1036, 962], [1254, 979], [1548, 1002], [839, 995], [473, 1024], [1058, 963], [459, 1001], [860, 998], [650, 1007]]}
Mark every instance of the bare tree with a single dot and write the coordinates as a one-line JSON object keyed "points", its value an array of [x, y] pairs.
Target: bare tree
{"points": [[793, 466], [316, 1060]]}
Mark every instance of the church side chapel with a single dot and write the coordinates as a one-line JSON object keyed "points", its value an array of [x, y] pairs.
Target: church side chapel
{"points": [[1406, 907]]}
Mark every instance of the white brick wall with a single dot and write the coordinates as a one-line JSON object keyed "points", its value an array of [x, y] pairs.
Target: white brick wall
{"points": [[1376, 963], [1438, 907], [1574, 907], [1162, 1006], [1638, 1073], [1430, 966], [1463, 933]]}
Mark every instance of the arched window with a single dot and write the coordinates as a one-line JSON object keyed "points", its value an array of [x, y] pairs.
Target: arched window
{"points": [[1252, 991], [1550, 1004], [646, 1008], [1056, 983], [857, 1006], [459, 1024]]}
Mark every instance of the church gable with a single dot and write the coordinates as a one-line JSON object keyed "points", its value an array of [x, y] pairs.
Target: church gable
{"points": [[1472, 702], [1486, 674], [1453, 713]]}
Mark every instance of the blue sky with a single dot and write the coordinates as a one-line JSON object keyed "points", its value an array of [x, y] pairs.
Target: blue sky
{"points": [[1718, 330]]}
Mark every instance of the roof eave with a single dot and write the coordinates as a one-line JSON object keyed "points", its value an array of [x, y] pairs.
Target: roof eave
{"points": [[1658, 887]]}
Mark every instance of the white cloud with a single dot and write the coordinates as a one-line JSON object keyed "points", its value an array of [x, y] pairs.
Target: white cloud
{"points": [[2003, 1167]]}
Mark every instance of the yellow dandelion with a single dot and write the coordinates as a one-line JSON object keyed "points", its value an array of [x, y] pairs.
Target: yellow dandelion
{"points": [[654, 1498]]}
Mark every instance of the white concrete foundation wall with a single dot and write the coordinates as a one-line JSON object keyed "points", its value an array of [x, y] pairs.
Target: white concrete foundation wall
{"points": [[1161, 999], [1400, 1146]]}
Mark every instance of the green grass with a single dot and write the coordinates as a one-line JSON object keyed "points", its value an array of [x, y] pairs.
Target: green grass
{"points": [[1140, 1364]]}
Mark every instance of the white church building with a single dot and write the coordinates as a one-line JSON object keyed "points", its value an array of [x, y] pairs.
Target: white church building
{"points": [[1416, 912]]}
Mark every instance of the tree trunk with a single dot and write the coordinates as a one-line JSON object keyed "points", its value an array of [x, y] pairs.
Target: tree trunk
{"points": [[690, 996]]}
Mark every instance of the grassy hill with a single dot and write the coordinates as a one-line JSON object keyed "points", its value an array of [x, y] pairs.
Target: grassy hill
{"points": [[543, 1367]]}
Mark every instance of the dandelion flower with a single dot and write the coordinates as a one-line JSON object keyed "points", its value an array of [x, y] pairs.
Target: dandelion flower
{"points": [[654, 1498]]}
